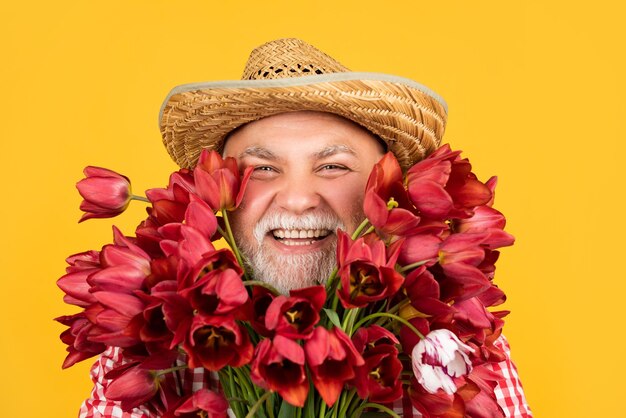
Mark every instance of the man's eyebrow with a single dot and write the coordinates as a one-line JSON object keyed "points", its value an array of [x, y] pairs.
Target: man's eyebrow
{"points": [[259, 152], [332, 150]]}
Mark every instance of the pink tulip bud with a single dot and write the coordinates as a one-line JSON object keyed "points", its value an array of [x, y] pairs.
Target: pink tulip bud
{"points": [[106, 193], [438, 359], [133, 388]]}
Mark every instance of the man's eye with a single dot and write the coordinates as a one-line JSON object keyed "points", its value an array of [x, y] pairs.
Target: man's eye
{"points": [[264, 172], [332, 167], [332, 171]]}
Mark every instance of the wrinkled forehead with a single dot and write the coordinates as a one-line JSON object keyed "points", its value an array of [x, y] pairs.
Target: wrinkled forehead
{"points": [[292, 126]]}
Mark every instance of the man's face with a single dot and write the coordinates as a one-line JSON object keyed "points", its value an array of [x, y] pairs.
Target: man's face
{"points": [[310, 172]]}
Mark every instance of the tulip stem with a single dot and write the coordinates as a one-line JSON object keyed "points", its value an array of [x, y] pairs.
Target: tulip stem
{"points": [[388, 315], [258, 404], [140, 198], [348, 321], [243, 381], [233, 244], [331, 287], [237, 408], [412, 266], [378, 406], [395, 308], [360, 229], [331, 280], [322, 410], [170, 370], [345, 401], [270, 406]]}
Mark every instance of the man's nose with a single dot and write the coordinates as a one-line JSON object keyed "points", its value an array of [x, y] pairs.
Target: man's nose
{"points": [[297, 195]]}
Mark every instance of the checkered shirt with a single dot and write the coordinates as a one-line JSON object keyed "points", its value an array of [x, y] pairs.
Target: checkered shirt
{"points": [[509, 392]]}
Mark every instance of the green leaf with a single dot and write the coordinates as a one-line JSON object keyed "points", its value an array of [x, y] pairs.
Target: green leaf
{"points": [[287, 410], [334, 318]]}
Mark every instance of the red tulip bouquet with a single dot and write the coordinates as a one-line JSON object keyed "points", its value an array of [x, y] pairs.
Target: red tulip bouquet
{"points": [[404, 316]]}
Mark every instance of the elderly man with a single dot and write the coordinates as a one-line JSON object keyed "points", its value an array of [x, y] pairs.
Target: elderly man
{"points": [[311, 130]]}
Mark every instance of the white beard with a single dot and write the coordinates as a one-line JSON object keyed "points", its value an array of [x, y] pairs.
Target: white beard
{"points": [[286, 272]]}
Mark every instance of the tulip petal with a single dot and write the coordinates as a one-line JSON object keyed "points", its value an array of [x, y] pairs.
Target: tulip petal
{"points": [[430, 199], [420, 247], [289, 349], [207, 188], [125, 304], [201, 216], [317, 347]]}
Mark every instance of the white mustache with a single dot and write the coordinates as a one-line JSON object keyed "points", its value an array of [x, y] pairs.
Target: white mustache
{"points": [[278, 220]]}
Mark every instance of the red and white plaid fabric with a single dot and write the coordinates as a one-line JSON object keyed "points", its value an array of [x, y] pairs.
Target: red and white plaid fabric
{"points": [[509, 391]]}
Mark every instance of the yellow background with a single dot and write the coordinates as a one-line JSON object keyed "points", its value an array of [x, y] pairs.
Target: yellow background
{"points": [[536, 96]]}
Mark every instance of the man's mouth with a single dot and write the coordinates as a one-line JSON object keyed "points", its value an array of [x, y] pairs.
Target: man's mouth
{"points": [[294, 237]]}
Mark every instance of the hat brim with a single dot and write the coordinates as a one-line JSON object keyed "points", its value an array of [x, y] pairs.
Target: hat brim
{"points": [[408, 116]]}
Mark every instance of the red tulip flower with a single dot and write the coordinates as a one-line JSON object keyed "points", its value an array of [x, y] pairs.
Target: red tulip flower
{"points": [[473, 321], [490, 220], [420, 248], [378, 379], [295, 316], [367, 273], [217, 341], [179, 186], [106, 193], [487, 219], [204, 403], [200, 216], [261, 300], [439, 404], [168, 205], [385, 183], [218, 181], [154, 330], [442, 185], [332, 359], [76, 337], [459, 258], [124, 269], [177, 312], [203, 263], [134, 387], [74, 283], [187, 243], [216, 293], [118, 316], [423, 292], [278, 365], [164, 211], [478, 393]]}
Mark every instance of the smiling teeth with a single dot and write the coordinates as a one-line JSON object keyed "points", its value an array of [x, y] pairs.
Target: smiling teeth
{"points": [[296, 243], [300, 233]]}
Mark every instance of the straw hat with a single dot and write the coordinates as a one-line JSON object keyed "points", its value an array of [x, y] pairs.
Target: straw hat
{"points": [[289, 75]]}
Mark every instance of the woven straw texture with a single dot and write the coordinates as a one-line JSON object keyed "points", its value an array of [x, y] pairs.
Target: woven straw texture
{"points": [[409, 120], [287, 58]]}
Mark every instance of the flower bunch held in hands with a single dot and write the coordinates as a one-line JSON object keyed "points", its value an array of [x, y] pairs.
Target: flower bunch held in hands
{"points": [[407, 312]]}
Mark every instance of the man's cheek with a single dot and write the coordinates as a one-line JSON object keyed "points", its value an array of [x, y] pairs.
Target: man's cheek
{"points": [[256, 198]]}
